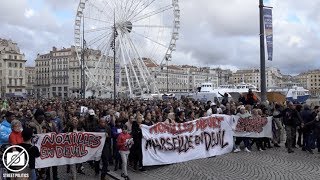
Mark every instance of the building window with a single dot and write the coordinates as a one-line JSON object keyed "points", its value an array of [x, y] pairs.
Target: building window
{"points": [[59, 89], [10, 65], [15, 82], [65, 88], [15, 57], [53, 88], [10, 72], [15, 65]]}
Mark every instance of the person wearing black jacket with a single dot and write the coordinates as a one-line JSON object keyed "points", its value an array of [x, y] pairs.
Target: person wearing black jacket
{"points": [[242, 99], [105, 128], [299, 129], [225, 98], [136, 149], [74, 126], [32, 150], [291, 119], [307, 117], [315, 126]]}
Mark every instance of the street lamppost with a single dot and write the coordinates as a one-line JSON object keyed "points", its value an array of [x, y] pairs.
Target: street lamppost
{"points": [[83, 83], [262, 56], [167, 77], [114, 59]]}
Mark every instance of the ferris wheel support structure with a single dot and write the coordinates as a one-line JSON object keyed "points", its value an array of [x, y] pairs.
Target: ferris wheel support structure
{"points": [[141, 32]]}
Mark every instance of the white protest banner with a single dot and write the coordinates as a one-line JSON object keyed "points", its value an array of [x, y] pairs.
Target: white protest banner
{"points": [[68, 148], [254, 127], [173, 143]]}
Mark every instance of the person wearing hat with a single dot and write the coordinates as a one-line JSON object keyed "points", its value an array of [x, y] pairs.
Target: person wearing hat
{"points": [[5, 128], [91, 122], [212, 109]]}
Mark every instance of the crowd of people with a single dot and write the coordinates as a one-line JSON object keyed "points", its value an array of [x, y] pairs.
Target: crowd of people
{"points": [[121, 122]]}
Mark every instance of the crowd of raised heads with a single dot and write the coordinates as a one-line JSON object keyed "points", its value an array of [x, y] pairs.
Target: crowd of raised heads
{"points": [[121, 121]]}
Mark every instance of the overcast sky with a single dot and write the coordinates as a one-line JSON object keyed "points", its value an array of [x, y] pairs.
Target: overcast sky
{"points": [[221, 33]]}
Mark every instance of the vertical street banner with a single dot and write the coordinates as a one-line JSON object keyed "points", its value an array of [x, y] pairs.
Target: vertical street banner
{"points": [[165, 143], [68, 148], [267, 16]]}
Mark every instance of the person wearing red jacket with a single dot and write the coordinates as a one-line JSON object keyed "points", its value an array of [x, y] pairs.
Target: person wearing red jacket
{"points": [[124, 143], [16, 137]]}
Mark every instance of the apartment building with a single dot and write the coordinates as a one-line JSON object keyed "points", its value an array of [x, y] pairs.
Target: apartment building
{"points": [[12, 70], [30, 75], [252, 76], [58, 73], [313, 82]]}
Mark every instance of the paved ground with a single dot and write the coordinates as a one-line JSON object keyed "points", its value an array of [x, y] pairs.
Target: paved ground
{"points": [[273, 163]]}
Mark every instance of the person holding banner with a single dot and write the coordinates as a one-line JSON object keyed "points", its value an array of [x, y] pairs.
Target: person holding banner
{"points": [[136, 149], [50, 125], [258, 141], [242, 114], [124, 143], [73, 126], [105, 128], [278, 128]]}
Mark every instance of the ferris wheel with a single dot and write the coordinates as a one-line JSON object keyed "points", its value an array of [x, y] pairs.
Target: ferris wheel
{"points": [[141, 33]]}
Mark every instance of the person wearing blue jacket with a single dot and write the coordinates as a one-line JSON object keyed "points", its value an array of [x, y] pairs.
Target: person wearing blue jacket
{"points": [[5, 128]]}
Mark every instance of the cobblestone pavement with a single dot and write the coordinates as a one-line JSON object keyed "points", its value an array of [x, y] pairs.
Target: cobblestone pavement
{"points": [[273, 163]]}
